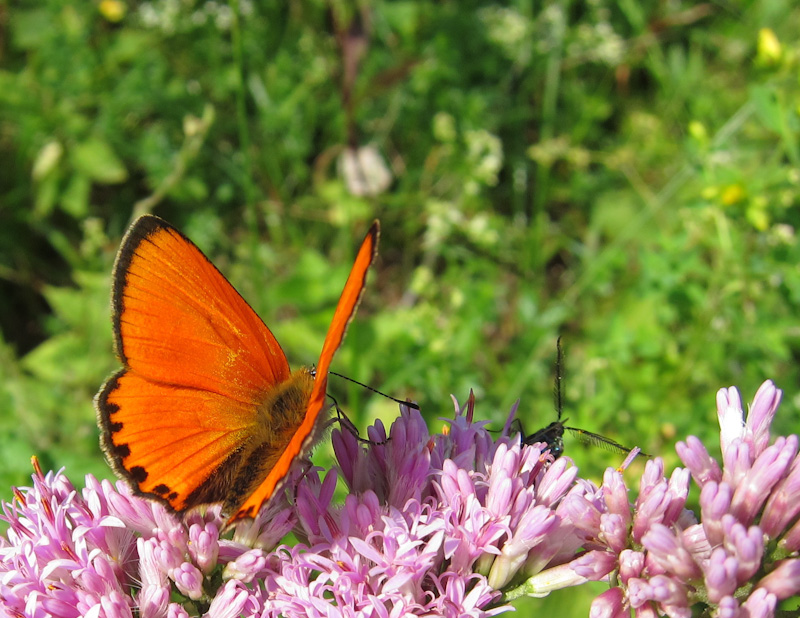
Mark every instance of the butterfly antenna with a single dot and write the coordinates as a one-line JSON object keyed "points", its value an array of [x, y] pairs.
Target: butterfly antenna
{"points": [[558, 397], [410, 404]]}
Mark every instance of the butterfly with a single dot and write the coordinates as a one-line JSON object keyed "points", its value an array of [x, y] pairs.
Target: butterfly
{"points": [[206, 408]]}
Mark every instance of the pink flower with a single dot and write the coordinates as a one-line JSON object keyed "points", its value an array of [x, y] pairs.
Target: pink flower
{"points": [[450, 524], [666, 561], [429, 522]]}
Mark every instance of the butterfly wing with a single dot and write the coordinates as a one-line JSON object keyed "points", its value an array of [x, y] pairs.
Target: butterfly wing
{"points": [[182, 445], [177, 320], [305, 434], [198, 361]]}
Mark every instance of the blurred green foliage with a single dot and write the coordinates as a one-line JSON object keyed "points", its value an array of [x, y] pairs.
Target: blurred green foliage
{"points": [[624, 174]]}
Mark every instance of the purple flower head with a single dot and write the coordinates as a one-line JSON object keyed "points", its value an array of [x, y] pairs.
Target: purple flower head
{"points": [[451, 524], [432, 525], [669, 561]]}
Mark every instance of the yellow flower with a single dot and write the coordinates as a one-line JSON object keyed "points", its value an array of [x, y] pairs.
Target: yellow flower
{"points": [[732, 194], [112, 10], [769, 47]]}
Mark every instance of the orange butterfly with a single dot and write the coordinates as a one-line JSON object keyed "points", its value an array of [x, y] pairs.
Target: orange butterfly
{"points": [[206, 408]]}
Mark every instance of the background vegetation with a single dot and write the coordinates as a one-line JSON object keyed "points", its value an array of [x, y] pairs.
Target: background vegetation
{"points": [[624, 174]]}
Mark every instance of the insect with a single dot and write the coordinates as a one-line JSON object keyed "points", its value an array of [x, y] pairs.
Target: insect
{"points": [[553, 434], [206, 408]]}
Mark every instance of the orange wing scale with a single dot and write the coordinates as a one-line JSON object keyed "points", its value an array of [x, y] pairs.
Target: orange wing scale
{"points": [[206, 408]]}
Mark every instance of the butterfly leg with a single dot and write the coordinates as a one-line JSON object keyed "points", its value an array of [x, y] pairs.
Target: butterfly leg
{"points": [[347, 424]]}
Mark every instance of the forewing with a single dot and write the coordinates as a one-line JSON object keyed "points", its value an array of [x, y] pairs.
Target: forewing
{"points": [[179, 322]]}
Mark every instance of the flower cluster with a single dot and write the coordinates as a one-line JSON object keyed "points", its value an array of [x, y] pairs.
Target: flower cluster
{"points": [[738, 562], [81, 554], [432, 525], [450, 524]]}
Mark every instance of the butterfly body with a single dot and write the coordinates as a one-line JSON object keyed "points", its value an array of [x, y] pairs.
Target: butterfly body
{"points": [[206, 408]]}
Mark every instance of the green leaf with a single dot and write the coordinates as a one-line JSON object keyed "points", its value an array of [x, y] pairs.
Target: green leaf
{"points": [[47, 159], [31, 28], [96, 159], [46, 196], [75, 200], [767, 106]]}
